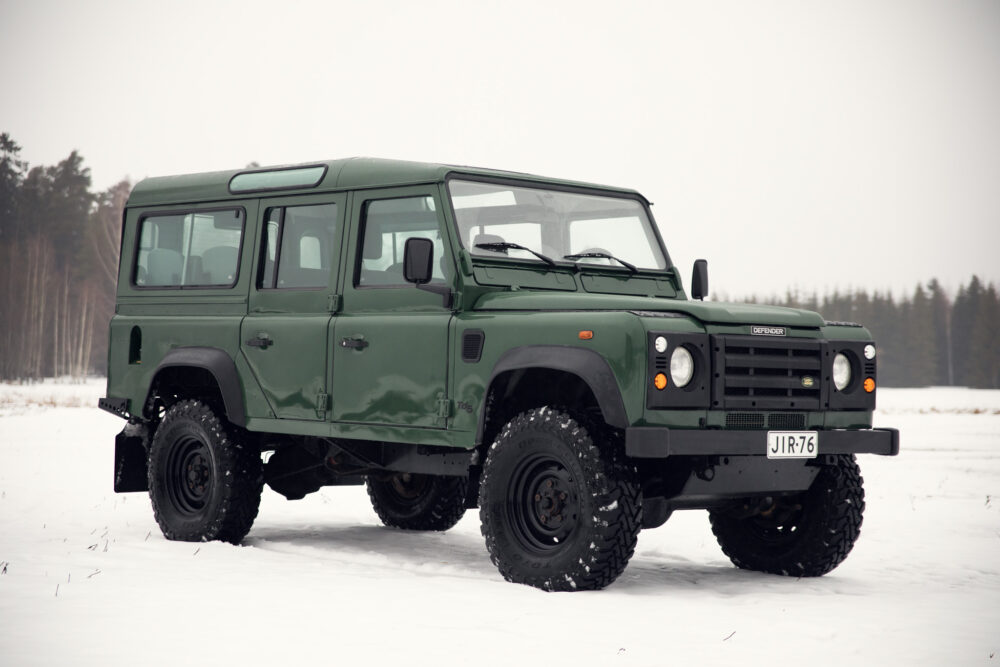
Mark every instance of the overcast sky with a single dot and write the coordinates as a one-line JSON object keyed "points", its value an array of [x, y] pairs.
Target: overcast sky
{"points": [[792, 144]]}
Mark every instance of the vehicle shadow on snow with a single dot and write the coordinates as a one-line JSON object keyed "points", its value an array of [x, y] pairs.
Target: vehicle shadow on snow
{"points": [[399, 549], [464, 554], [651, 573]]}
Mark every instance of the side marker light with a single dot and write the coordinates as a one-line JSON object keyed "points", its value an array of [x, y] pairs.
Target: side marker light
{"points": [[586, 335]]}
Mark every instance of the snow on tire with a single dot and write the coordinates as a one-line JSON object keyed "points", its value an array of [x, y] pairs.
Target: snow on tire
{"points": [[559, 511], [805, 535], [204, 483], [418, 502]]}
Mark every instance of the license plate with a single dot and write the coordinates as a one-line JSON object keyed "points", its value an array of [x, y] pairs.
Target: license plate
{"points": [[792, 444]]}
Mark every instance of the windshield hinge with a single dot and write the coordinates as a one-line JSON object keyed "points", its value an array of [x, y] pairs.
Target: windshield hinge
{"points": [[333, 302]]}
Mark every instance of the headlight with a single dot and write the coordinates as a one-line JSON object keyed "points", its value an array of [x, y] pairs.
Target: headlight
{"points": [[660, 344], [841, 371], [869, 352], [681, 366]]}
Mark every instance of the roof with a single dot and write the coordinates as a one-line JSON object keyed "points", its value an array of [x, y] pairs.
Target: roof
{"points": [[349, 173]]}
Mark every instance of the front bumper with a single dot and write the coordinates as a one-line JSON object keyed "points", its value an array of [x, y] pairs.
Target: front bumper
{"points": [[659, 442]]}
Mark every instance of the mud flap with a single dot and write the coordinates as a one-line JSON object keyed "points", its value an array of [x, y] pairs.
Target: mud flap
{"points": [[130, 462]]}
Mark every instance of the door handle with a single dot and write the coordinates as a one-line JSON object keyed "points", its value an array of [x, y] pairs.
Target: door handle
{"points": [[262, 340], [356, 343]]}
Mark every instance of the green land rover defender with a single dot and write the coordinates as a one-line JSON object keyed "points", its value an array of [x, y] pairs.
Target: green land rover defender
{"points": [[455, 338]]}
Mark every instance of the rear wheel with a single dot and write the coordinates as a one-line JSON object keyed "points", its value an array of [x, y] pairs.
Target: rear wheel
{"points": [[559, 512], [805, 535], [418, 502], [204, 483]]}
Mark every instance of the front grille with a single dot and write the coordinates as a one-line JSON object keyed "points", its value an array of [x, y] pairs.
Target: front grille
{"points": [[759, 373], [757, 421]]}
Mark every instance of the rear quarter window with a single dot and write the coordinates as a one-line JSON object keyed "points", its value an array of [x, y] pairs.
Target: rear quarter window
{"points": [[189, 249]]}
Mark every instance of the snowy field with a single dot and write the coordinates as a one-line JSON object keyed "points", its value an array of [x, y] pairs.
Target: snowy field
{"points": [[87, 579]]}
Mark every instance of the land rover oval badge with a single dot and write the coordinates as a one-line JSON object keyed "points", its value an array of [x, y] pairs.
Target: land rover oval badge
{"points": [[808, 381]]}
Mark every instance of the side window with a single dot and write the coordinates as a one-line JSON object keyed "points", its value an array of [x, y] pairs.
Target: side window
{"points": [[189, 249], [298, 247], [388, 223]]}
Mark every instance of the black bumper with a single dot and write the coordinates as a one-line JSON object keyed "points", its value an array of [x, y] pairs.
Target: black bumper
{"points": [[659, 442]]}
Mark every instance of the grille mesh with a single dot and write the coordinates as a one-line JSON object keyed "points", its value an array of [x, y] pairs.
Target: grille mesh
{"points": [[755, 421]]}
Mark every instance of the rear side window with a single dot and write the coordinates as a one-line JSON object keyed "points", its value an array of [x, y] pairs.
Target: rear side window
{"points": [[197, 249], [298, 247]]}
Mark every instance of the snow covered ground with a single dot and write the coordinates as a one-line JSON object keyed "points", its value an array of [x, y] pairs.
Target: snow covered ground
{"points": [[87, 579]]}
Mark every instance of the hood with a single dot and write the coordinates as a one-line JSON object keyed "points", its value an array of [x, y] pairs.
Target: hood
{"points": [[715, 312]]}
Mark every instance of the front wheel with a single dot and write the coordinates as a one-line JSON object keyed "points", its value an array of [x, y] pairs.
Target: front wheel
{"points": [[418, 502], [204, 483], [560, 509], [805, 535]]}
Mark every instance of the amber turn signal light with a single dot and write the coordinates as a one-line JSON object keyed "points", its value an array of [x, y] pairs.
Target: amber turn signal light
{"points": [[660, 381], [586, 335], [869, 385]]}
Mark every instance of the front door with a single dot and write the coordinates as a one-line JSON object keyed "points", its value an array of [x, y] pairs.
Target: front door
{"points": [[286, 334], [391, 339]]}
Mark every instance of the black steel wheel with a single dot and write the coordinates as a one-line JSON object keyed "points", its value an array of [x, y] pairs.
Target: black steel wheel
{"points": [[804, 535], [203, 483], [560, 508], [418, 502]]}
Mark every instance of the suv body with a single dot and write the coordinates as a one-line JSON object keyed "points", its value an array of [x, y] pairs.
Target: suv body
{"points": [[456, 337]]}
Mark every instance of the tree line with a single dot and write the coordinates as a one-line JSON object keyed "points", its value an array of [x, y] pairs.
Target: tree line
{"points": [[926, 338], [59, 245]]}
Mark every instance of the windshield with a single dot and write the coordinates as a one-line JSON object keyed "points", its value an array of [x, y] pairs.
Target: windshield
{"points": [[555, 224]]}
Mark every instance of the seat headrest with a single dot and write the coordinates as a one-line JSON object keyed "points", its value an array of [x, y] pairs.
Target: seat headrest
{"points": [[373, 240]]}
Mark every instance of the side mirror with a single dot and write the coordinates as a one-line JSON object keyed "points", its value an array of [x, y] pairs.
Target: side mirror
{"points": [[418, 268], [418, 255], [699, 280]]}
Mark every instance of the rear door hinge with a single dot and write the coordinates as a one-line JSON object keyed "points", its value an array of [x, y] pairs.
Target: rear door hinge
{"points": [[322, 404], [333, 302]]}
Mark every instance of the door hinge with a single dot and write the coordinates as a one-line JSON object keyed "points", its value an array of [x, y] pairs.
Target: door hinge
{"points": [[333, 302], [444, 408], [322, 404]]}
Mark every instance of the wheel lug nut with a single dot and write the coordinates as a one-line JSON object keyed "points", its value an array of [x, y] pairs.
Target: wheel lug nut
{"points": [[545, 519], [562, 496], [538, 497], [549, 483]]}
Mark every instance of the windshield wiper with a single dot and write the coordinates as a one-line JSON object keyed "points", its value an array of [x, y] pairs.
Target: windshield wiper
{"points": [[500, 246], [602, 255]]}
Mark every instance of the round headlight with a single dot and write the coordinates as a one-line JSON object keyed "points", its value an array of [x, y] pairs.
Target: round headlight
{"points": [[681, 366], [869, 352], [660, 344], [841, 372]]}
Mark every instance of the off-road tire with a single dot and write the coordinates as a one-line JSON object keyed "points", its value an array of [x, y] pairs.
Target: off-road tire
{"points": [[418, 502], [806, 535], [561, 510], [204, 483]]}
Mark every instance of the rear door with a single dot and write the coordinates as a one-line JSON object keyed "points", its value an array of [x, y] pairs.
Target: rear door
{"points": [[286, 334]]}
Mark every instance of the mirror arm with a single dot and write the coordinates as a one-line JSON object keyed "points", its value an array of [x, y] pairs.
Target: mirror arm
{"points": [[443, 290]]}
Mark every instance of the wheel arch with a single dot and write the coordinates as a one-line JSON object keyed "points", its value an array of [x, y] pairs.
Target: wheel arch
{"points": [[525, 363], [195, 364]]}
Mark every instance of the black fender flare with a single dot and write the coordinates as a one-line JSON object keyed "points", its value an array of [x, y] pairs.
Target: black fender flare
{"points": [[588, 365], [222, 368]]}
